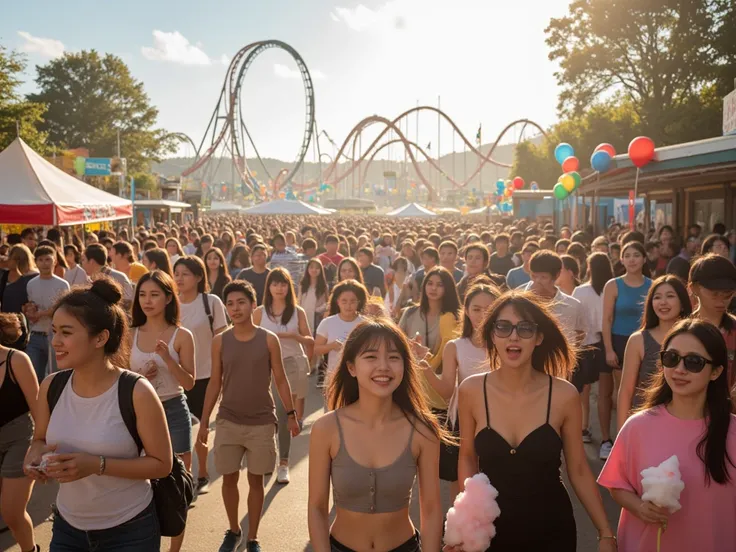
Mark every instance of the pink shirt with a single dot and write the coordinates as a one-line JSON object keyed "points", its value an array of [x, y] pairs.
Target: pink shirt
{"points": [[706, 521]]}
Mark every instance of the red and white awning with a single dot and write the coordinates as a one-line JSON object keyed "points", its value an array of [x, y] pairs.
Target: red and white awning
{"points": [[35, 192]]}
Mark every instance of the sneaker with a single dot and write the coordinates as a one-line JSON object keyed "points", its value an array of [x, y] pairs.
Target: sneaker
{"points": [[203, 485], [231, 541], [606, 447], [253, 546], [587, 436], [283, 475]]}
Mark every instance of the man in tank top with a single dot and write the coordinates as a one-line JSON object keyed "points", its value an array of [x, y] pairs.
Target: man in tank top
{"points": [[243, 359]]}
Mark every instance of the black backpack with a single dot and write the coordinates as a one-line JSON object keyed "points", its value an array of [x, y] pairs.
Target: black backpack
{"points": [[173, 494]]}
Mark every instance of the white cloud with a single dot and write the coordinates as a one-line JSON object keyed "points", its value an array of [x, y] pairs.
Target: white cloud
{"points": [[174, 47], [285, 72], [225, 60], [47, 47], [361, 18], [334, 17]]}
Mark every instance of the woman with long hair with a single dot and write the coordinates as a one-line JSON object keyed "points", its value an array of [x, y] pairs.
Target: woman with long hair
{"points": [[347, 301], [623, 309], [348, 269], [431, 326], [686, 413], [592, 356], [217, 273], [158, 259], [239, 259], [14, 281], [18, 392], [501, 435], [105, 499], [396, 295], [281, 315], [666, 303], [173, 248], [163, 352], [375, 396], [203, 314], [313, 292]]}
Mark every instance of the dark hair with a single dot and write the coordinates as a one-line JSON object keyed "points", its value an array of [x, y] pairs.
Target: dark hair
{"points": [[74, 251], [650, 319], [500, 238], [431, 252], [343, 388], [352, 262], [179, 250], [279, 275], [96, 252], [529, 245], [167, 285], [342, 287], [97, 307], [450, 300], [448, 243], [160, 258], [10, 330], [366, 251], [124, 249], [710, 241], [634, 245], [321, 289], [475, 289], [42, 250], [309, 243], [547, 262], [332, 238], [555, 356], [711, 449], [195, 265], [478, 247], [600, 271], [258, 247], [633, 235], [571, 263], [240, 286], [27, 232], [223, 274]]}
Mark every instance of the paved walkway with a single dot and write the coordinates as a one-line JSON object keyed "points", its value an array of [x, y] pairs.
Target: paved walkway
{"points": [[284, 524]]}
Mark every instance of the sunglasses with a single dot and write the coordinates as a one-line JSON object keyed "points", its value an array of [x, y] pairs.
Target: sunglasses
{"points": [[693, 363], [524, 329]]}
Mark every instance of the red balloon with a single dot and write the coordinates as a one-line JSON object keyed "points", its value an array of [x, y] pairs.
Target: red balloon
{"points": [[641, 151], [571, 164], [607, 148], [518, 183]]}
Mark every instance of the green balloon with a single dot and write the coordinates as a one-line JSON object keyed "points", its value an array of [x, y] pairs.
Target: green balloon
{"points": [[578, 179], [560, 191], [79, 165]]}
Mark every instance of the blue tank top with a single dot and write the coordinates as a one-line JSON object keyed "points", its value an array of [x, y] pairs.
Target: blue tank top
{"points": [[629, 307]]}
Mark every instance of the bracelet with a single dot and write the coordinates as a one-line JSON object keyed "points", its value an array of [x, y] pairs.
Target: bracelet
{"points": [[102, 466], [291, 413], [611, 537]]}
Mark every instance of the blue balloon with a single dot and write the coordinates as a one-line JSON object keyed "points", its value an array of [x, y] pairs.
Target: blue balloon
{"points": [[534, 186], [601, 161], [563, 151]]}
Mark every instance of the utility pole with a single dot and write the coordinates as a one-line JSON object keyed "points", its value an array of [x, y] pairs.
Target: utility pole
{"points": [[439, 154], [121, 178]]}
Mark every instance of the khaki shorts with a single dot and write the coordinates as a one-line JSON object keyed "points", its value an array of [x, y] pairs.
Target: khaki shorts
{"points": [[297, 369], [233, 441]]}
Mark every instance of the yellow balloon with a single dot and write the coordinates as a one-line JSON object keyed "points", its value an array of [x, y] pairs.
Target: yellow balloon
{"points": [[568, 182]]}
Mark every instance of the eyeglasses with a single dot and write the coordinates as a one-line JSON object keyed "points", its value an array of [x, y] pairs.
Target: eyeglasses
{"points": [[693, 362], [524, 329]]}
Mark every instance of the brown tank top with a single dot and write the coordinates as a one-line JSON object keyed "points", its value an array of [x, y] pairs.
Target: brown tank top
{"points": [[246, 380], [372, 490]]}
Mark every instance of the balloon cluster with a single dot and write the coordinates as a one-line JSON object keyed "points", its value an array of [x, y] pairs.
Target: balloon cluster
{"points": [[570, 178], [505, 191], [602, 156]]}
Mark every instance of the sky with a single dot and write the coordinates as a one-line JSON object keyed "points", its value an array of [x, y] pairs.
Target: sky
{"points": [[485, 60]]}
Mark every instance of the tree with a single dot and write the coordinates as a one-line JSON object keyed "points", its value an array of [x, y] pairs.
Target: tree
{"points": [[91, 97], [16, 113], [668, 58]]}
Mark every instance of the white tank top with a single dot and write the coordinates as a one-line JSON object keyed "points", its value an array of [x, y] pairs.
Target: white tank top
{"points": [[289, 347], [95, 426], [165, 384], [471, 360]]}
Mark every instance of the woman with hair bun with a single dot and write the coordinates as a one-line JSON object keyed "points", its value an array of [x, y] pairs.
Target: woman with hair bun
{"points": [[18, 391], [105, 499]]}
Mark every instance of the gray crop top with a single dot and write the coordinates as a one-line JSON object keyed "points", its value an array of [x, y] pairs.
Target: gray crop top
{"points": [[372, 490]]}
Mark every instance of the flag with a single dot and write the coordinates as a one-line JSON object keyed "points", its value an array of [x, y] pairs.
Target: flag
{"points": [[429, 146], [477, 136]]}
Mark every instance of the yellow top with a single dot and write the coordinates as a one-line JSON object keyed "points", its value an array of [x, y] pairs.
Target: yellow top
{"points": [[136, 271], [448, 331]]}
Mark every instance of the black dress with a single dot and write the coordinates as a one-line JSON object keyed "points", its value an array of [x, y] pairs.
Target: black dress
{"points": [[536, 512]]}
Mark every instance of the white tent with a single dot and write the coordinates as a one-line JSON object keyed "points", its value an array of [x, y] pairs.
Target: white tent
{"points": [[286, 207], [447, 211], [411, 210], [35, 192], [490, 210]]}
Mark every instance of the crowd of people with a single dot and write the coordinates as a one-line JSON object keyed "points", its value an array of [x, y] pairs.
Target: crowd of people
{"points": [[444, 348]]}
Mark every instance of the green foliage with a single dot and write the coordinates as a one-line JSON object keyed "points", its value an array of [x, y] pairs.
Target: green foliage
{"points": [[14, 109], [90, 98], [666, 58], [145, 182]]}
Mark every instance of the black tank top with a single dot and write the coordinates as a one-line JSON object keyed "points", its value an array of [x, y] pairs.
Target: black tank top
{"points": [[12, 399], [536, 512]]}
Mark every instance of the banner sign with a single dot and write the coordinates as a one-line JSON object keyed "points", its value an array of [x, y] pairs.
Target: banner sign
{"points": [[97, 166]]}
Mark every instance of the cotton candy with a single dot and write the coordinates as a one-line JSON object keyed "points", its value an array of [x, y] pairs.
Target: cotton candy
{"points": [[470, 520], [663, 484]]}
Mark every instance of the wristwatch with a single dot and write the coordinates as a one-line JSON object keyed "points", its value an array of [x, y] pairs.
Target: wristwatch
{"points": [[291, 413]]}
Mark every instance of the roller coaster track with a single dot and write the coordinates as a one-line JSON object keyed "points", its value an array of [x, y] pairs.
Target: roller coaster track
{"points": [[391, 125], [227, 128]]}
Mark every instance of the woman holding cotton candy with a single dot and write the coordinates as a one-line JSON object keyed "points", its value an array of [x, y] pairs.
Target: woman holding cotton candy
{"points": [[515, 423], [686, 415]]}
